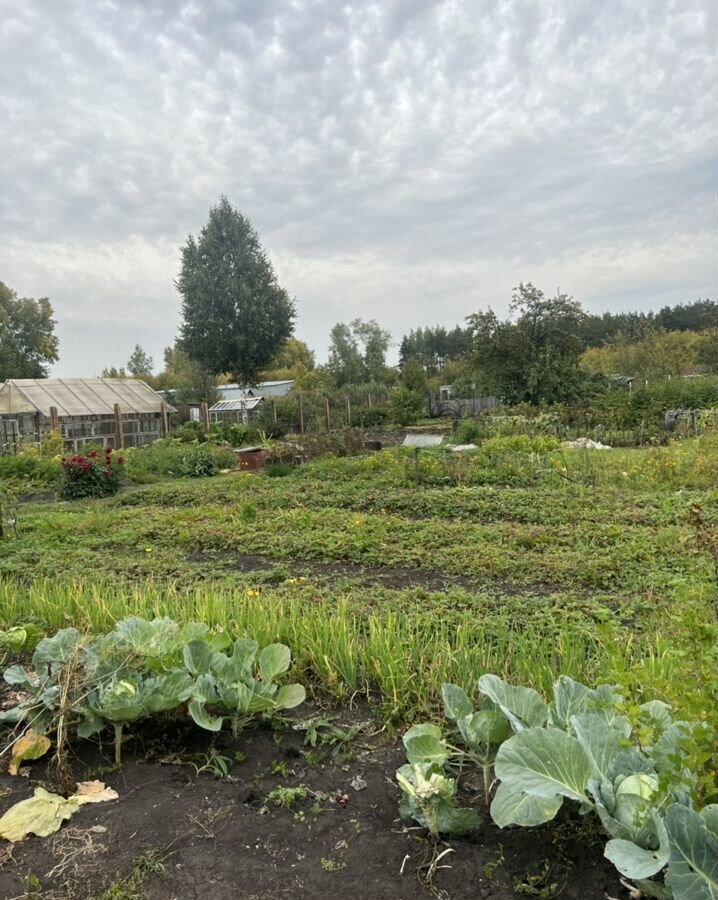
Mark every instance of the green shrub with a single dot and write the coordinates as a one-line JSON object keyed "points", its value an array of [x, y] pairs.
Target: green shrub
{"points": [[370, 417], [520, 443], [29, 469], [189, 432], [198, 462], [278, 470], [173, 457], [466, 432], [94, 475], [406, 406]]}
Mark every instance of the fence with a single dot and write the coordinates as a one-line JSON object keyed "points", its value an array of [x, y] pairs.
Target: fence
{"points": [[118, 430]]}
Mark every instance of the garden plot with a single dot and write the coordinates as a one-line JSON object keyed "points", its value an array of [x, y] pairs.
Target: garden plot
{"points": [[384, 592], [291, 819]]}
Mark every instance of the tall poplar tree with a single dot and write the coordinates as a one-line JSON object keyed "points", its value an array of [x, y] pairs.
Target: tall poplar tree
{"points": [[235, 315]]}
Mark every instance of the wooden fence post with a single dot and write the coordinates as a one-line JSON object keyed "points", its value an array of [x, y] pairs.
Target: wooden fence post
{"points": [[368, 400], [327, 417], [164, 420], [300, 408], [119, 430], [348, 410], [204, 415], [274, 411], [54, 419]]}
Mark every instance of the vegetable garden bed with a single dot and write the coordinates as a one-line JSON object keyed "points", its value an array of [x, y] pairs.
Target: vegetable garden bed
{"points": [[288, 822]]}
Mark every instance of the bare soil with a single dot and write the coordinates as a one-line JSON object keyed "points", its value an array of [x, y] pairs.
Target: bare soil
{"points": [[396, 577], [177, 834]]}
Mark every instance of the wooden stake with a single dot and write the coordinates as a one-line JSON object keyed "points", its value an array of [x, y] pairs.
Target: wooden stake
{"points": [[164, 420], [54, 419], [300, 407], [274, 411], [348, 410], [327, 417], [204, 416], [119, 431]]}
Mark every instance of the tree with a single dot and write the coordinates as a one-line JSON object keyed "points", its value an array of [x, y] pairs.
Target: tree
{"points": [[658, 355], [27, 336], [406, 406], [114, 372], [345, 365], [357, 353], [434, 347], [293, 353], [185, 379], [139, 364], [534, 358], [235, 316], [294, 361], [413, 376]]}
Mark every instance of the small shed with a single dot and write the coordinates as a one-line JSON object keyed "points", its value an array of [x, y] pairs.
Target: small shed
{"points": [[111, 412], [242, 409]]}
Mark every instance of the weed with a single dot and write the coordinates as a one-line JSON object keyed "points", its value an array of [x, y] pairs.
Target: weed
{"points": [[286, 797], [332, 865], [130, 888], [538, 885], [214, 763], [491, 867]]}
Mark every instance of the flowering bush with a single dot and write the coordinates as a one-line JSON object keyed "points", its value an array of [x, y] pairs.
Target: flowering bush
{"points": [[90, 476]]}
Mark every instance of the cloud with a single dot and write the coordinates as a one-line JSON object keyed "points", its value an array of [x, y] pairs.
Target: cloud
{"points": [[408, 161]]}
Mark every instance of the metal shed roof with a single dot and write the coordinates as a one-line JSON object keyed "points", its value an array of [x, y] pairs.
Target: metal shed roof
{"points": [[79, 396], [236, 405]]}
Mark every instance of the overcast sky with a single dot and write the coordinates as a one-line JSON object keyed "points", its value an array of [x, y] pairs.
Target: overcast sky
{"points": [[404, 160]]}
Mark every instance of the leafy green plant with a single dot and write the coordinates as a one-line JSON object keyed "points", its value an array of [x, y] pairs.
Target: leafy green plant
{"points": [[582, 747], [17, 639], [323, 732], [240, 685], [198, 461], [142, 669], [482, 731], [428, 794], [215, 763], [286, 796]]}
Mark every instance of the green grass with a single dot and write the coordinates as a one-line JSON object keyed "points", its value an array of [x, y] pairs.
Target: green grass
{"points": [[603, 582]]}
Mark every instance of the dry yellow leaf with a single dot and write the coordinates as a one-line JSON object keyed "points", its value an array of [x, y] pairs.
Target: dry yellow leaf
{"points": [[30, 746], [43, 813], [93, 792]]}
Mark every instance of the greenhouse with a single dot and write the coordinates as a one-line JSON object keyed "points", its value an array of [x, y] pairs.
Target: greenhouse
{"points": [[110, 412]]}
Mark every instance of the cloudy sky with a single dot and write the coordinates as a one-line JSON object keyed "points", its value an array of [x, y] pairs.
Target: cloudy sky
{"points": [[407, 160]]}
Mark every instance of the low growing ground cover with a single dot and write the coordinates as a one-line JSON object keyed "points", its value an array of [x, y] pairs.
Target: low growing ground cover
{"points": [[387, 589]]}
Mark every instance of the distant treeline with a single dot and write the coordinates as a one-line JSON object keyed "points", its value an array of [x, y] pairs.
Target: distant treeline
{"points": [[434, 347]]}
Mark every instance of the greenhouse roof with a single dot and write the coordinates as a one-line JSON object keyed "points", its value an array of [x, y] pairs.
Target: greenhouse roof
{"points": [[247, 404], [79, 396]]}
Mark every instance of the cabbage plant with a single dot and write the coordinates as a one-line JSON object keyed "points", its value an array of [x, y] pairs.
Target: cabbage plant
{"points": [[481, 731], [428, 793], [581, 747], [238, 685], [142, 668]]}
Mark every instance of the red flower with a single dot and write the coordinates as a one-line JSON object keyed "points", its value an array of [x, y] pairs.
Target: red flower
{"points": [[92, 454], [120, 459]]}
